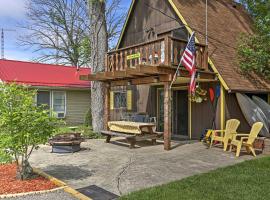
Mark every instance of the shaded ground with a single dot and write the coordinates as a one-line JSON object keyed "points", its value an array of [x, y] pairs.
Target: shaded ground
{"points": [[120, 170]]}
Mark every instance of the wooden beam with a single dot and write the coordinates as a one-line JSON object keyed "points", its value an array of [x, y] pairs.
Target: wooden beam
{"points": [[146, 80], [103, 76], [167, 116], [166, 78], [143, 80], [156, 69], [121, 74], [89, 77], [134, 72]]}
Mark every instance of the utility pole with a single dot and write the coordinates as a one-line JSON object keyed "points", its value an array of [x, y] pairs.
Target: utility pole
{"points": [[3, 41]]}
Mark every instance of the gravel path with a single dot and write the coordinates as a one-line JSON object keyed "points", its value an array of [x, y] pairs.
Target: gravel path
{"points": [[57, 195]]}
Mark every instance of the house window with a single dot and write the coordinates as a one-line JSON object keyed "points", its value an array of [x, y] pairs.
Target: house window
{"points": [[120, 100], [59, 103], [43, 99]]}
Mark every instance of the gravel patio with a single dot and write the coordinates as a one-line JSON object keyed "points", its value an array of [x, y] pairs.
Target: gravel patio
{"points": [[120, 170]]}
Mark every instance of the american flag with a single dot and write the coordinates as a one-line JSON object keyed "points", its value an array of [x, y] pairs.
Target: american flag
{"points": [[189, 55], [188, 60], [192, 86]]}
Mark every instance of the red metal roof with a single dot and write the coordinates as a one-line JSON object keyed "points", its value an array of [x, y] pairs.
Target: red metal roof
{"points": [[46, 75]]}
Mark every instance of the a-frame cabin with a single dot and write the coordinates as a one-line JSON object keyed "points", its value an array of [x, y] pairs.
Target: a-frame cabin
{"points": [[140, 70]]}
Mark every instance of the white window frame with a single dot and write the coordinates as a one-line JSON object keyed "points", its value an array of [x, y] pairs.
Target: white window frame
{"points": [[51, 92], [52, 103]]}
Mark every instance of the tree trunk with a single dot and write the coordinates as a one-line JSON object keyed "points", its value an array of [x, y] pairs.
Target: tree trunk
{"points": [[25, 171], [99, 48]]}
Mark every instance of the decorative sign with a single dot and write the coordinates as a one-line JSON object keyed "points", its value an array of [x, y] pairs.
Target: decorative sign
{"points": [[133, 56]]}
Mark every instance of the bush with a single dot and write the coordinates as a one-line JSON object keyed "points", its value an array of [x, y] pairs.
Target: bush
{"points": [[88, 118]]}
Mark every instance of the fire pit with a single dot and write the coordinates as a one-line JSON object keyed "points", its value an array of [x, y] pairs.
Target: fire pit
{"points": [[66, 143]]}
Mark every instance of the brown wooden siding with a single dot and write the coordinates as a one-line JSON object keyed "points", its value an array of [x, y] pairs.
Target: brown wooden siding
{"points": [[143, 101], [78, 103], [148, 17], [202, 115], [233, 111]]}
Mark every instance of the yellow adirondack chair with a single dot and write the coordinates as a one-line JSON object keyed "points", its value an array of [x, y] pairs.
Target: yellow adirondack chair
{"points": [[225, 135], [246, 140]]}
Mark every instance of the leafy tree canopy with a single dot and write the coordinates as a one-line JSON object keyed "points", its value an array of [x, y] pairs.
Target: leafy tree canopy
{"points": [[254, 50]]}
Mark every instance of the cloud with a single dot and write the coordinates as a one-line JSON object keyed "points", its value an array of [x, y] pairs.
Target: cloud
{"points": [[12, 8]]}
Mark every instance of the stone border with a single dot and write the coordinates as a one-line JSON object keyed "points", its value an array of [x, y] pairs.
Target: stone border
{"points": [[61, 185]]}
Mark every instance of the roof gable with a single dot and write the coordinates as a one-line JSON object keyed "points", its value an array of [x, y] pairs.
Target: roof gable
{"points": [[45, 75], [225, 23], [146, 21]]}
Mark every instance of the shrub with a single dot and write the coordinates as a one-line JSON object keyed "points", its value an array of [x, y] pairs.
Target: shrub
{"points": [[23, 125]]}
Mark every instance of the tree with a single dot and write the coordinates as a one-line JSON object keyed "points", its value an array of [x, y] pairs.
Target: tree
{"points": [[23, 125], [57, 30], [106, 20], [254, 50], [99, 44]]}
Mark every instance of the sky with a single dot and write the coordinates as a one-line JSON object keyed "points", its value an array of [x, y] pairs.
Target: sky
{"points": [[12, 13]]}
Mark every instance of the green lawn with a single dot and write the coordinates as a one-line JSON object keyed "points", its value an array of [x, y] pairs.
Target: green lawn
{"points": [[247, 180], [86, 131]]}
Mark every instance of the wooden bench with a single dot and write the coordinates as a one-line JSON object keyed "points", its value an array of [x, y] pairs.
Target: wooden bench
{"points": [[132, 139]]}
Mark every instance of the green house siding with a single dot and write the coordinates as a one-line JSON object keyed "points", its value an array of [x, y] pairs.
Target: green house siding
{"points": [[78, 103]]}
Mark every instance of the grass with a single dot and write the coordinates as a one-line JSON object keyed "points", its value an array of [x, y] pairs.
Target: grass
{"points": [[87, 132], [248, 180]]}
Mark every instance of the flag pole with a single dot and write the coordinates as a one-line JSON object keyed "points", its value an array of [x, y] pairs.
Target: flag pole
{"points": [[177, 70], [206, 22]]}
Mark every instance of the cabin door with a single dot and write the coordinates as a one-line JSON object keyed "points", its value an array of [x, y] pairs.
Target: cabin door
{"points": [[179, 113]]}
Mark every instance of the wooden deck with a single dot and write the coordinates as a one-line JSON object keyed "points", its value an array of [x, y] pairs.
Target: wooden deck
{"points": [[149, 63]]}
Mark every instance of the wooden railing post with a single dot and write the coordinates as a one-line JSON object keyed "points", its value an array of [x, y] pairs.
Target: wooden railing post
{"points": [[168, 51], [205, 56], [167, 116]]}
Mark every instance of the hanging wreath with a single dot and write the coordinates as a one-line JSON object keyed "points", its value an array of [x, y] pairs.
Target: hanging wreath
{"points": [[199, 96]]}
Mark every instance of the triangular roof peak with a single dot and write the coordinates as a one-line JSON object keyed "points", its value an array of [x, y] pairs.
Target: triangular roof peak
{"points": [[226, 21]]}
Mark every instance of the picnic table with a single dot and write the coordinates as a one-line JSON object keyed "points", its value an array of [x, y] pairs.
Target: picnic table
{"points": [[132, 131]]}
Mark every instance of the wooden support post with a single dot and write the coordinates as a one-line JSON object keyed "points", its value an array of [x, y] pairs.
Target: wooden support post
{"points": [[190, 116], [167, 116], [106, 106]]}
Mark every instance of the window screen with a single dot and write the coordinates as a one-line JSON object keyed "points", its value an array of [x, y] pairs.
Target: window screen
{"points": [[59, 101], [43, 98]]}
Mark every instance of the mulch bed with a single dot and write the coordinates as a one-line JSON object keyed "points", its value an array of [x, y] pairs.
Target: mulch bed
{"points": [[10, 185]]}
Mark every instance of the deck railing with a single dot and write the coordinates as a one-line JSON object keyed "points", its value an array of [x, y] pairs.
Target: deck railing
{"points": [[163, 51]]}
